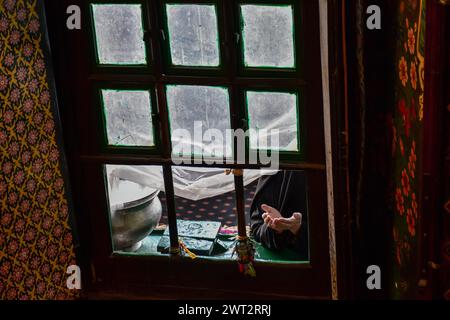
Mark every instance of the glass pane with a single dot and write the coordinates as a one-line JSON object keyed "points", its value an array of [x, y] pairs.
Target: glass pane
{"points": [[193, 35], [199, 119], [137, 207], [128, 117], [119, 33], [272, 118], [268, 36], [205, 205], [207, 220]]}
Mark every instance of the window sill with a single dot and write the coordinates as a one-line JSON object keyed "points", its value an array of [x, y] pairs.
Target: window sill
{"points": [[262, 254]]}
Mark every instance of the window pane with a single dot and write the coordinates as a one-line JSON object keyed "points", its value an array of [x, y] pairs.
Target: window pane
{"points": [[137, 207], [128, 117], [119, 33], [193, 35], [271, 114], [286, 194], [205, 205], [205, 194], [198, 114], [207, 220], [268, 36]]}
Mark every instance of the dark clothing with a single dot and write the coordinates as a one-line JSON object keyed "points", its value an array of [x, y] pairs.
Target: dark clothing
{"points": [[286, 192]]}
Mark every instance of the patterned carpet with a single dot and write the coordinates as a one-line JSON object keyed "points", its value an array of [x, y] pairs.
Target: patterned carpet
{"points": [[221, 208]]}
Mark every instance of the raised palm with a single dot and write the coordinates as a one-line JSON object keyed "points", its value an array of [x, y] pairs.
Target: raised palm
{"points": [[274, 220]]}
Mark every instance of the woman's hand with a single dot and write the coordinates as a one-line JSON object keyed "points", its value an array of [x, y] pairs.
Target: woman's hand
{"points": [[274, 220]]}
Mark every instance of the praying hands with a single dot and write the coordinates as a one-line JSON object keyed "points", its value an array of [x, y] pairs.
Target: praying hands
{"points": [[274, 220]]}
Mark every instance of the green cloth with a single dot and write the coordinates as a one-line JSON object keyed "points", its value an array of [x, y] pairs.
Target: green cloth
{"points": [[149, 247]]}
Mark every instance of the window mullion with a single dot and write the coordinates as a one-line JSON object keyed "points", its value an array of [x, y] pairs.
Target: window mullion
{"points": [[240, 201], [163, 118], [153, 8], [171, 213], [236, 106]]}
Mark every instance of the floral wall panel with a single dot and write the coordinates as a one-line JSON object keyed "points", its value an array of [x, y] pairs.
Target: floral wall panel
{"points": [[35, 235], [407, 117]]}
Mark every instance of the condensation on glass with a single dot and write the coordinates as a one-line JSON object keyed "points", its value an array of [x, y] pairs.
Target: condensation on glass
{"points": [[199, 119], [268, 36], [128, 117], [273, 120], [193, 35], [119, 34]]}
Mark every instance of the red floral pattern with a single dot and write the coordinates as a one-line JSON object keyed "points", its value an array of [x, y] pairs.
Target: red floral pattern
{"points": [[406, 124], [35, 237]]}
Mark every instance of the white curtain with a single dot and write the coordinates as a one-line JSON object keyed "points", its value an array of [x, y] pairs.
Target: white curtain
{"points": [[189, 182]]}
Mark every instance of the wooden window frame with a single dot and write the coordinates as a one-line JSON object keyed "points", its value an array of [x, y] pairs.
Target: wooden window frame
{"points": [[87, 158]]}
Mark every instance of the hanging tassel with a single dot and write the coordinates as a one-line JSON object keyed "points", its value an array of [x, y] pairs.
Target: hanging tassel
{"points": [[245, 256], [186, 250]]}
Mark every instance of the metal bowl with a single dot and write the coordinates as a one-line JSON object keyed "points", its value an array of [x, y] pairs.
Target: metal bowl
{"points": [[135, 212]]}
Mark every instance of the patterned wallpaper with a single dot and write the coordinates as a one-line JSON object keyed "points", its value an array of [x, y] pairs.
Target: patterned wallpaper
{"points": [[35, 236], [36, 243], [406, 124]]}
